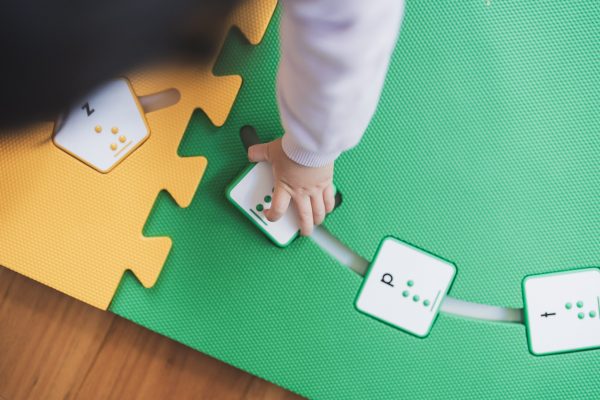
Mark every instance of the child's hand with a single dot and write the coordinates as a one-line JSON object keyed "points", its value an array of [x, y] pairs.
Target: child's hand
{"points": [[311, 189]]}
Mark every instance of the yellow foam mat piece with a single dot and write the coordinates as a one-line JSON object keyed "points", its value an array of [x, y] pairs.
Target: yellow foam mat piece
{"points": [[70, 227]]}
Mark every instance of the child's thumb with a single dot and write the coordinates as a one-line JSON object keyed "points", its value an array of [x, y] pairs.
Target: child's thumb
{"points": [[258, 152]]}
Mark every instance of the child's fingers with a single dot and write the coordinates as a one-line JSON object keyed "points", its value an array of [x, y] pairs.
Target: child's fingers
{"points": [[258, 152], [305, 215], [279, 205], [329, 199], [318, 208]]}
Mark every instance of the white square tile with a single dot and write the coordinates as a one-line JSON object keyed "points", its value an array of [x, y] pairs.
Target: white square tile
{"points": [[250, 194], [405, 286], [562, 311]]}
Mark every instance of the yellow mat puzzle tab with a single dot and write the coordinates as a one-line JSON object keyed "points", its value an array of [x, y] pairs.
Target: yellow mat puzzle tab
{"points": [[198, 87]]}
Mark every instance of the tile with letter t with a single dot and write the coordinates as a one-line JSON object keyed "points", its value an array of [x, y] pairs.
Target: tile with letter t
{"points": [[562, 311]]}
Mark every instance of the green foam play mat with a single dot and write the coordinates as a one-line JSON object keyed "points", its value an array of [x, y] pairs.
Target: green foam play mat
{"points": [[485, 150]]}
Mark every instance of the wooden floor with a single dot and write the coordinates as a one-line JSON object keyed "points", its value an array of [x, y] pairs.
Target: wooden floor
{"points": [[54, 347]]}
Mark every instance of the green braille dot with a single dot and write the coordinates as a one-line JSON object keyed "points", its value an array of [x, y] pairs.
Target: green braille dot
{"points": [[405, 293], [592, 314], [267, 199], [410, 283], [579, 304], [568, 306], [259, 207], [426, 303], [416, 297], [580, 315]]}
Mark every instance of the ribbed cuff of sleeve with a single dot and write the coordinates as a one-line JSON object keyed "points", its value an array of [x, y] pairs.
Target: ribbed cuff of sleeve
{"points": [[298, 154]]}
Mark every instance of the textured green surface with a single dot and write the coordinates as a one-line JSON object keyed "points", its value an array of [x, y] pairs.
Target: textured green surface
{"points": [[485, 151], [486, 145]]}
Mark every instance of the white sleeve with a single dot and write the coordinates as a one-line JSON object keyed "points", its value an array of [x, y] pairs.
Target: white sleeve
{"points": [[334, 59]]}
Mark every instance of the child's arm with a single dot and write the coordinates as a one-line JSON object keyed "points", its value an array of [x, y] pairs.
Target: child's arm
{"points": [[334, 58]]}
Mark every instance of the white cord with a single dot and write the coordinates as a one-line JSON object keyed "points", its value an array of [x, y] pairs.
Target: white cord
{"points": [[160, 100], [487, 312], [338, 250]]}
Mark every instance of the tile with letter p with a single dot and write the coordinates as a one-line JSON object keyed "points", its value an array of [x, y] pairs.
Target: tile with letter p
{"points": [[405, 286]]}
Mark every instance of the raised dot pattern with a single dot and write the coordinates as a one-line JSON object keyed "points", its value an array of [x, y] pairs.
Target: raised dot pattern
{"points": [[580, 304], [114, 130], [410, 283]]}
